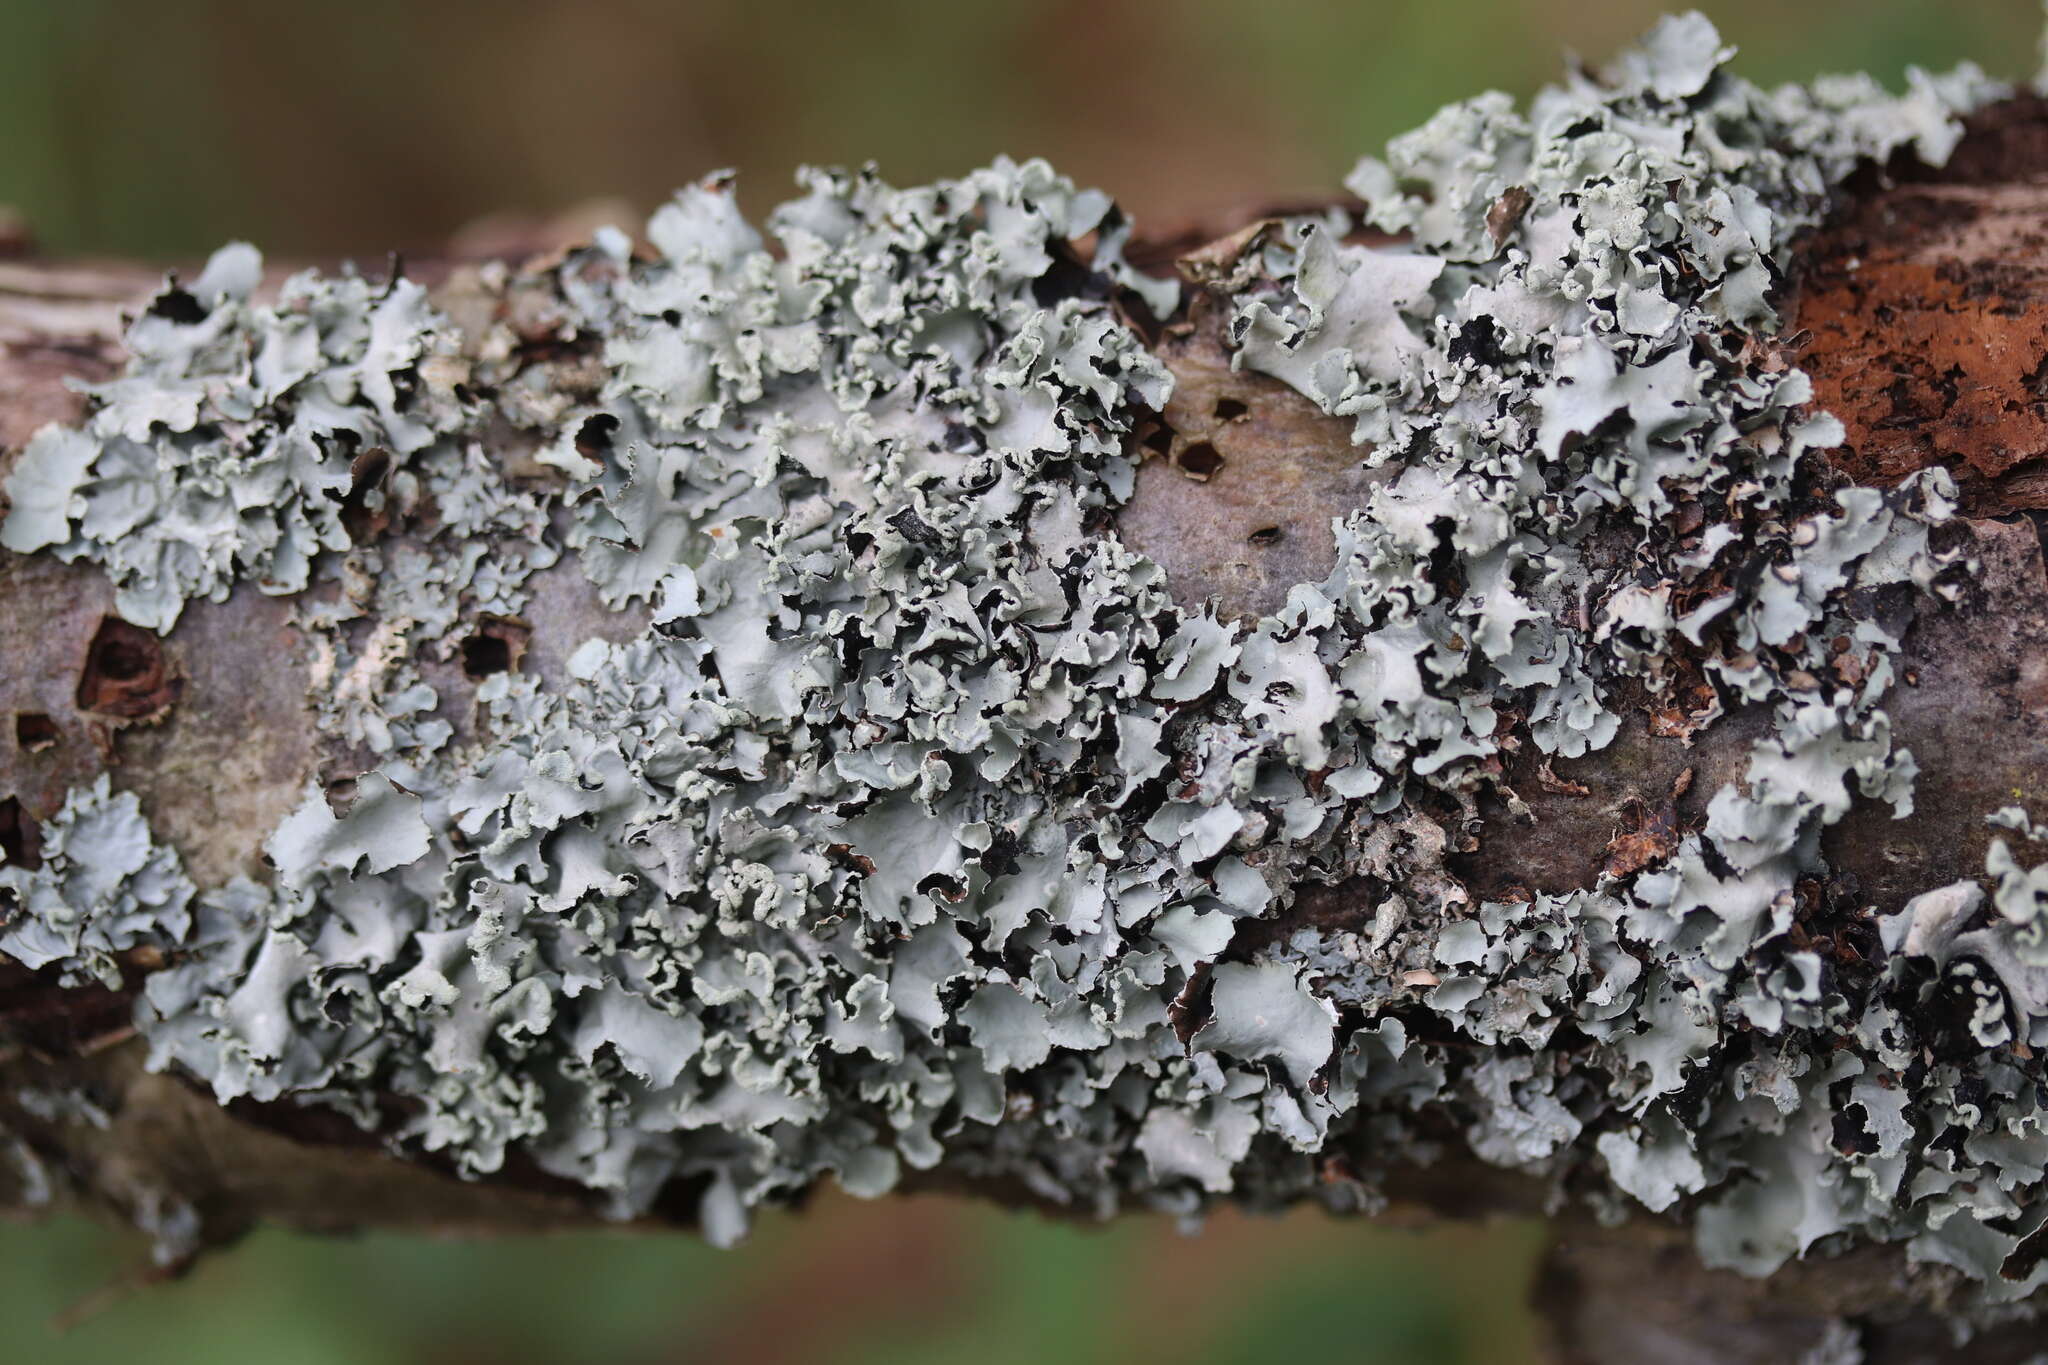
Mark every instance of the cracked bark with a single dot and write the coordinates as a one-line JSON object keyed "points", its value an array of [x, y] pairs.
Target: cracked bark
{"points": [[1922, 312]]}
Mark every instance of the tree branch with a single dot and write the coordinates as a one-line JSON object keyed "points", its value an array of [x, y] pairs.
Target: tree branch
{"points": [[1921, 310]]}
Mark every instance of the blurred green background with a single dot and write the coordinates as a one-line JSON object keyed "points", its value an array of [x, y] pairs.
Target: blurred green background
{"points": [[319, 129], [333, 126], [914, 1281]]}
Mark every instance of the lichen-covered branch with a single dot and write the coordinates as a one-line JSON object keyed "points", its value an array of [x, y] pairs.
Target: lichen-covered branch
{"points": [[1493, 686]]}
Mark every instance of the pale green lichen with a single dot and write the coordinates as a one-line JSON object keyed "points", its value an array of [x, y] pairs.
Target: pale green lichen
{"points": [[920, 827], [224, 451], [104, 886]]}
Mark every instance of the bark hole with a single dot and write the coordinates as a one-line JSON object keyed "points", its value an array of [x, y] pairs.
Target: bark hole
{"points": [[497, 647], [21, 838], [126, 673], [366, 472], [1200, 461], [34, 731]]}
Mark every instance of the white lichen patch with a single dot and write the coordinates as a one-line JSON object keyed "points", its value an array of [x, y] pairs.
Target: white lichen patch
{"points": [[921, 828]]}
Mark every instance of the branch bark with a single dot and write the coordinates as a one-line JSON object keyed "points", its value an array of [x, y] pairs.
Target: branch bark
{"points": [[1921, 311]]}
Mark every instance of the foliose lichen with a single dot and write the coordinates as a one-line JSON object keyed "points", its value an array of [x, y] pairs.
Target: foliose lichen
{"points": [[921, 830]]}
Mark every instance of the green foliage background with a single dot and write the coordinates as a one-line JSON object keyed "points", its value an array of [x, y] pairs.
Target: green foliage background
{"points": [[319, 128]]}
